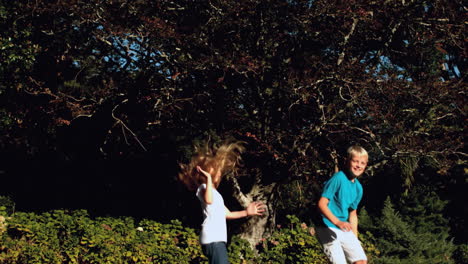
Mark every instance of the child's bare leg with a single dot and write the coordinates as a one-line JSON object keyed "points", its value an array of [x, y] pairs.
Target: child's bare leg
{"points": [[360, 262]]}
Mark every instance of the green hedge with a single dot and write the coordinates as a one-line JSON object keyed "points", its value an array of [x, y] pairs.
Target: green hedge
{"points": [[293, 243], [74, 237]]}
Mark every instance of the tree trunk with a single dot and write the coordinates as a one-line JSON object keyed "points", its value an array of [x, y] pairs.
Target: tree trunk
{"points": [[254, 228]]}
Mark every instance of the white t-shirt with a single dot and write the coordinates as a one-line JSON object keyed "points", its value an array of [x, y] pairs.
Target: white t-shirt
{"points": [[214, 218]]}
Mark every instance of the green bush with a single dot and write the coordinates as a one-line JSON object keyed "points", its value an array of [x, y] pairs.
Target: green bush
{"points": [[240, 251], [461, 254], [297, 243], [73, 237], [7, 206], [292, 244]]}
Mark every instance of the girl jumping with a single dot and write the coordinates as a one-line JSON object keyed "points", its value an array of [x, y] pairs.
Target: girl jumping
{"points": [[203, 174]]}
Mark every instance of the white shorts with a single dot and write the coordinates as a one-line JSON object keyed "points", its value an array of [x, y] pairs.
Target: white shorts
{"points": [[340, 246]]}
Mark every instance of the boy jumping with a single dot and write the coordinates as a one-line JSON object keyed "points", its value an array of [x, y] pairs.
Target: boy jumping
{"points": [[338, 203]]}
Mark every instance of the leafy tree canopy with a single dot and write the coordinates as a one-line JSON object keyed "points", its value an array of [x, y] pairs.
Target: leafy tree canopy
{"points": [[298, 80]]}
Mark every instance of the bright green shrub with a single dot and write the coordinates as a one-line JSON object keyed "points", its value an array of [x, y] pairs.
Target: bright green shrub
{"points": [[174, 243], [368, 243], [30, 239], [240, 251], [297, 243], [7, 206], [73, 237], [291, 244]]}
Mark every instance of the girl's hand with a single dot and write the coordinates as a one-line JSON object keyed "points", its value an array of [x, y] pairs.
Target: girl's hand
{"points": [[205, 173], [255, 208]]}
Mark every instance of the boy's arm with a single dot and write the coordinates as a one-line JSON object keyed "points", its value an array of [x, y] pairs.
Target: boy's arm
{"points": [[353, 220], [255, 208], [323, 207]]}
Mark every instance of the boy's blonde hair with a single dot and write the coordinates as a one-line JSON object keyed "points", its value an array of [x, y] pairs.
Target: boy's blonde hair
{"points": [[356, 151], [222, 159]]}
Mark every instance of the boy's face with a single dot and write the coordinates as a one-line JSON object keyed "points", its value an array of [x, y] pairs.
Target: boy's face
{"points": [[357, 164]]}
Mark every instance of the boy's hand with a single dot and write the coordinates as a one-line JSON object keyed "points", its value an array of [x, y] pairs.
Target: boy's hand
{"points": [[255, 208], [344, 226]]}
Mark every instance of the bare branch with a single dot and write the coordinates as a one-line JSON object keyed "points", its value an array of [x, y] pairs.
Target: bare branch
{"points": [[125, 126], [342, 54]]}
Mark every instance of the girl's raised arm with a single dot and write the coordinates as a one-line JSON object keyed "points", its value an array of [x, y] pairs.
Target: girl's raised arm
{"points": [[208, 192]]}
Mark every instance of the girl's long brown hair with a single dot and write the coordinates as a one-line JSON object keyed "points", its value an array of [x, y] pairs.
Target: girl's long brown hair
{"points": [[223, 159]]}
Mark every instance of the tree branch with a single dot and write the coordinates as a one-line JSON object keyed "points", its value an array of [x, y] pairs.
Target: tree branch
{"points": [[342, 54], [125, 126]]}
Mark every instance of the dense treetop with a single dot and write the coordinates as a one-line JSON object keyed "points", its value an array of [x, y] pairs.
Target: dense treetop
{"points": [[298, 80]]}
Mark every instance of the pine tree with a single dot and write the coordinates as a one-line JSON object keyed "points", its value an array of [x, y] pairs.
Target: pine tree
{"points": [[419, 234], [424, 210], [394, 235]]}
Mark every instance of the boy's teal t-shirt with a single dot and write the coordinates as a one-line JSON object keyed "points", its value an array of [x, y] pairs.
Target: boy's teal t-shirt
{"points": [[343, 195]]}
